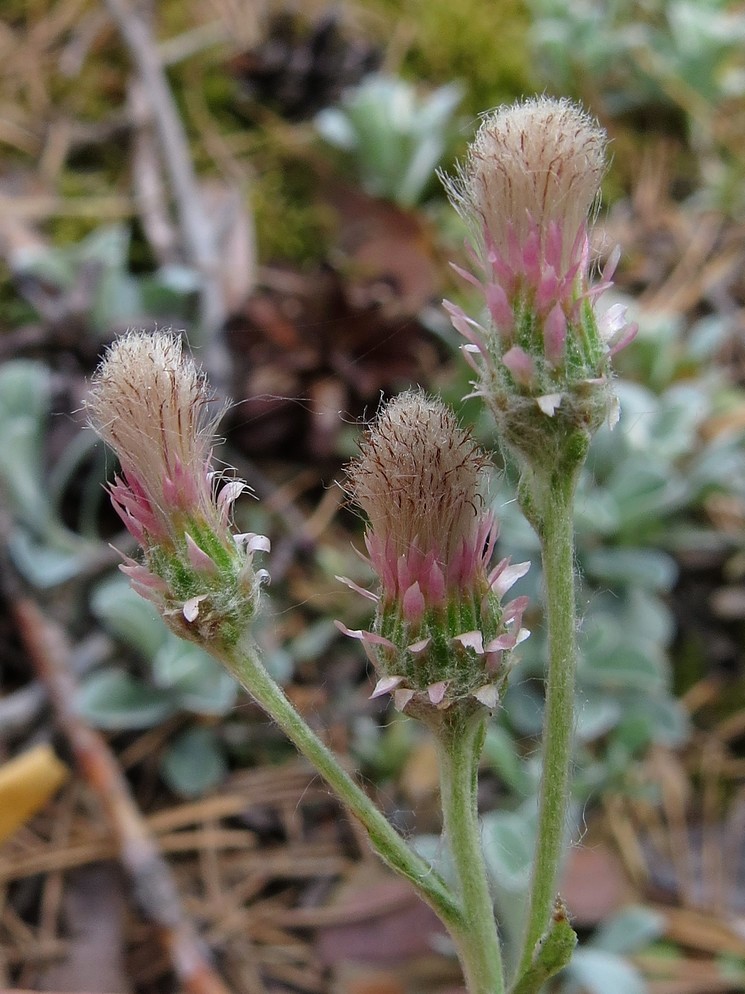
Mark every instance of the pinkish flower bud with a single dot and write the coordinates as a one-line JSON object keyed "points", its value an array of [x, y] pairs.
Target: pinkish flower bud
{"points": [[151, 404], [526, 190], [531, 177], [441, 632]]}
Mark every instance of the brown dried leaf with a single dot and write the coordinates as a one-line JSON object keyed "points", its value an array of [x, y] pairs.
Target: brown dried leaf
{"points": [[379, 920]]}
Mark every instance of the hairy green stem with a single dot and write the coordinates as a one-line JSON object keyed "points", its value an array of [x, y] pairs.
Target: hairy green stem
{"points": [[244, 663], [460, 740], [555, 526]]}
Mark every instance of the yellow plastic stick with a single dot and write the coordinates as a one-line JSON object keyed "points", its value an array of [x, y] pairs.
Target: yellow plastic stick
{"points": [[26, 784]]}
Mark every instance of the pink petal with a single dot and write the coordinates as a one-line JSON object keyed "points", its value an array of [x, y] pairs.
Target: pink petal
{"points": [[147, 593], [624, 340], [230, 494], [420, 646], [401, 698], [358, 589], [531, 256], [413, 603], [436, 691], [515, 609], [548, 290], [408, 566], [434, 583], [469, 351], [488, 695], [613, 322], [385, 685], [507, 577], [499, 307], [363, 636], [554, 245], [464, 274], [488, 535], [505, 641], [467, 327], [611, 265], [253, 542], [471, 640], [473, 255], [555, 335], [171, 493], [502, 271], [144, 583], [199, 558], [520, 365], [132, 525], [142, 576]]}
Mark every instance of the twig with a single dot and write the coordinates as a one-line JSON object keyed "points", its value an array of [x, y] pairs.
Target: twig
{"points": [[150, 192], [195, 40], [40, 207], [151, 877], [198, 234]]}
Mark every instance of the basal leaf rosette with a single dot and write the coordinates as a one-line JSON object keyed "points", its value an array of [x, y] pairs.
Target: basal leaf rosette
{"points": [[442, 633], [526, 190], [152, 405]]}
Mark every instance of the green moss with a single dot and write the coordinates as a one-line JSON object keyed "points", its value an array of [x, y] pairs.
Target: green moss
{"points": [[481, 42], [76, 184], [290, 222], [175, 17]]}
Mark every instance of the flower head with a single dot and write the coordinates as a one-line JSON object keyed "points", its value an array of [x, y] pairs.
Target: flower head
{"points": [[532, 167], [152, 405], [526, 190], [420, 482], [441, 631]]}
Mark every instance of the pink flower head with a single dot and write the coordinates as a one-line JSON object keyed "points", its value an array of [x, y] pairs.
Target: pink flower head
{"points": [[526, 190], [152, 405], [440, 629]]}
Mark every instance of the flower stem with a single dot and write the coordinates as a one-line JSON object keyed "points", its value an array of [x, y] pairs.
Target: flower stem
{"points": [[460, 740], [244, 663], [554, 500]]}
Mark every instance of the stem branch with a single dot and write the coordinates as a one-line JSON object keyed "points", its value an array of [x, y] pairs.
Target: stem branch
{"points": [[246, 666], [459, 743], [555, 500]]}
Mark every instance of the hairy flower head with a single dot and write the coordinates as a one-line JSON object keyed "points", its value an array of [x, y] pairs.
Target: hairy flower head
{"points": [[420, 480], [153, 406], [526, 189], [441, 631], [531, 165]]}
